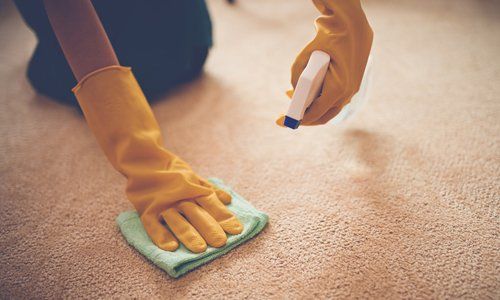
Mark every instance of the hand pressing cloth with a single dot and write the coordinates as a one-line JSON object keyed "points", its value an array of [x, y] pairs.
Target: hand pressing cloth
{"points": [[182, 260]]}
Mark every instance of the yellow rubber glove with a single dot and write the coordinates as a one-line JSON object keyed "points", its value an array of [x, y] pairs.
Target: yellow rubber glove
{"points": [[344, 33], [162, 187]]}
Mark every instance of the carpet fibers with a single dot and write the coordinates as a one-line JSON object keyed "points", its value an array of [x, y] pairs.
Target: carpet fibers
{"points": [[401, 201]]}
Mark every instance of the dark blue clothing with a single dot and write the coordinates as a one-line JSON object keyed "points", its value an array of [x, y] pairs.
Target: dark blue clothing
{"points": [[165, 42]]}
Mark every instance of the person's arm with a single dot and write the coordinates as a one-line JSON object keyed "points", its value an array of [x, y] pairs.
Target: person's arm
{"points": [[81, 36], [174, 203]]}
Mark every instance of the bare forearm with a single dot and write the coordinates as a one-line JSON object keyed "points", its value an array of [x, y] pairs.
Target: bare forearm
{"points": [[81, 35]]}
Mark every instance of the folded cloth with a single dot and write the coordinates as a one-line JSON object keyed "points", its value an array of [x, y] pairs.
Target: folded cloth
{"points": [[179, 262]]}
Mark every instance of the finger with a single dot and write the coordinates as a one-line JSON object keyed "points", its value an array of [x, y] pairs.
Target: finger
{"points": [[330, 114], [223, 196], [322, 8], [316, 110], [221, 214], [334, 91], [159, 234], [184, 231], [206, 225], [281, 121]]}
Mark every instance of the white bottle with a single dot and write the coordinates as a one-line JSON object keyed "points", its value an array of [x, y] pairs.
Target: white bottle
{"points": [[309, 86]]}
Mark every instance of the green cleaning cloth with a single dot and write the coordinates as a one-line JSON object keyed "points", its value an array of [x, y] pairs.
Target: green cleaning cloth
{"points": [[179, 262]]}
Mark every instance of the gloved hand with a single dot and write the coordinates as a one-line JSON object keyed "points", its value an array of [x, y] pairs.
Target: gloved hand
{"points": [[344, 33], [161, 186]]}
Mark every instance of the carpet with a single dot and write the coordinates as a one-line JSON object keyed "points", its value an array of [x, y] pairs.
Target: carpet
{"points": [[401, 201]]}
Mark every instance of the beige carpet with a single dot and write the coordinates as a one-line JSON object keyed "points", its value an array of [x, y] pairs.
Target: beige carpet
{"points": [[400, 202]]}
